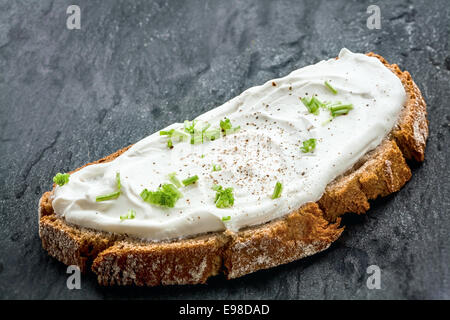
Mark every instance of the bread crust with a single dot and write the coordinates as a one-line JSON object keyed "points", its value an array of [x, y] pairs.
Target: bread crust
{"points": [[121, 260]]}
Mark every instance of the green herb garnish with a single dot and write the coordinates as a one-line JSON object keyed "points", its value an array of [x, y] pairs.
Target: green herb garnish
{"points": [[131, 214], [189, 126], [180, 135], [224, 197], [110, 196], [118, 180], [173, 178], [166, 133], [197, 137], [190, 180], [233, 130], [227, 127], [113, 195], [200, 132], [277, 191], [227, 218], [333, 90], [336, 109], [205, 127], [313, 105], [61, 178], [169, 134], [212, 134], [340, 109], [225, 124], [165, 196], [216, 167], [170, 143], [174, 134], [196, 130], [308, 145]]}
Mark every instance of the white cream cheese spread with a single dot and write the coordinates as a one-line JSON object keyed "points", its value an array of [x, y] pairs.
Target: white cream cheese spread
{"points": [[274, 123]]}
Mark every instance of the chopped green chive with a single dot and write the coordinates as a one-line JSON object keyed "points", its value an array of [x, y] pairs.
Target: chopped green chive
{"points": [[166, 133], [340, 109], [336, 109], [212, 134], [170, 143], [165, 196], [173, 178], [333, 90], [225, 124], [308, 145], [224, 197], [227, 218], [61, 178], [189, 126], [175, 134], [197, 137], [118, 180], [277, 191], [227, 127], [197, 130], [181, 135], [190, 180], [131, 214], [113, 195], [313, 104], [201, 132], [110, 196], [233, 130], [216, 167], [206, 126]]}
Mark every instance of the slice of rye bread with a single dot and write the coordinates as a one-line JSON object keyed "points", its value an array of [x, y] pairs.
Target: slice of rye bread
{"points": [[123, 260]]}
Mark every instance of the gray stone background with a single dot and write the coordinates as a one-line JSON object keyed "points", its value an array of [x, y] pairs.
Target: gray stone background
{"points": [[68, 97]]}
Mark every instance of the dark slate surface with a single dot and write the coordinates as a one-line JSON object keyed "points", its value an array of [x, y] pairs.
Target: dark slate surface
{"points": [[71, 97]]}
